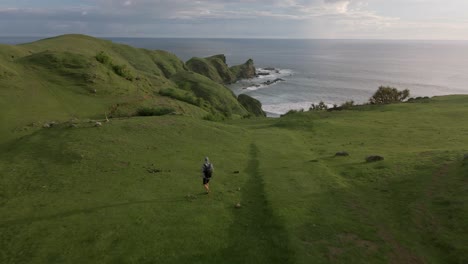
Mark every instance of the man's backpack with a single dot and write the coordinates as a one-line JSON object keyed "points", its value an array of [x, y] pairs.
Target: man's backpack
{"points": [[207, 169]]}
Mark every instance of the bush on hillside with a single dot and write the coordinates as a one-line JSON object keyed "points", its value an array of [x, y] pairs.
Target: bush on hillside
{"points": [[318, 107], [182, 95], [293, 111], [123, 71], [216, 117], [154, 111], [419, 99], [103, 58], [388, 95], [120, 70]]}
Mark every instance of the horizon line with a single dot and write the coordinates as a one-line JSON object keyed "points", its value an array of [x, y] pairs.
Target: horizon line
{"points": [[233, 38]]}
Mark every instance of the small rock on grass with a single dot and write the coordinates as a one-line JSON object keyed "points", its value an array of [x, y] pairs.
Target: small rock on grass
{"points": [[374, 158], [342, 154], [238, 205], [49, 124], [98, 124]]}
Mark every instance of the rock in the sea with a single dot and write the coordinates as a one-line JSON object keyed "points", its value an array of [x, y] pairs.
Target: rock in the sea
{"points": [[98, 124], [273, 82], [342, 154], [269, 69], [374, 158], [263, 73]]}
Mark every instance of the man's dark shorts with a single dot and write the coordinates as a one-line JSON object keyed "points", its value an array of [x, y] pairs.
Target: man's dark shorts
{"points": [[206, 180]]}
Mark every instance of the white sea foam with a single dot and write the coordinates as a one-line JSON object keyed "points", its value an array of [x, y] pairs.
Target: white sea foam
{"points": [[259, 82], [274, 73], [256, 87], [282, 108]]}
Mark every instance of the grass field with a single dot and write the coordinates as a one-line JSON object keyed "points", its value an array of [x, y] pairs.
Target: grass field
{"points": [[130, 191]]}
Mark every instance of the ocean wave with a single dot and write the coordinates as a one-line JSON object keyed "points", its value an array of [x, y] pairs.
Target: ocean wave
{"points": [[265, 77], [255, 87], [273, 73]]}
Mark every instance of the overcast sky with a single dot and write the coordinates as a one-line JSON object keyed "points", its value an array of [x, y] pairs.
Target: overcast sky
{"points": [[342, 19]]}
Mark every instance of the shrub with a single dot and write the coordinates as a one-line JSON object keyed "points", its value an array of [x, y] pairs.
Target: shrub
{"points": [[347, 104], [319, 107], [388, 95], [214, 117], [103, 58], [123, 71], [154, 111], [181, 95], [418, 99], [120, 70], [293, 111]]}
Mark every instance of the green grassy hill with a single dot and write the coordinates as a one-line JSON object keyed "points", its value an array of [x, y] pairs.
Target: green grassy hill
{"points": [[77, 76], [130, 190]]}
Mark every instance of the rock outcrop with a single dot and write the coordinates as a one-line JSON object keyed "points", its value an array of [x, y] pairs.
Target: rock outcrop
{"points": [[216, 69], [252, 105], [244, 71]]}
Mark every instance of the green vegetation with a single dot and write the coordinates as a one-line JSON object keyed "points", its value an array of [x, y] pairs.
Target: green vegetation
{"points": [[244, 71], [76, 76], [120, 70], [318, 107], [182, 95], [347, 104], [150, 111], [217, 98], [216, 69], [388, 95], [129, 190], [251, 104]]}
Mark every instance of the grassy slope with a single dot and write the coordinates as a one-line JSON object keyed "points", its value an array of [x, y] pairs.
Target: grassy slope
{"points": [[213, 67], [55, 79], [84, 194]]}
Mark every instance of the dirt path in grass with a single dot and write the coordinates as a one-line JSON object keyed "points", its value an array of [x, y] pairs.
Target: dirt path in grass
{"points": [[256, 236]]}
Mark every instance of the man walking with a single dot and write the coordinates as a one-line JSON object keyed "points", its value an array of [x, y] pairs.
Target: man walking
{"points": [[207, 170]]}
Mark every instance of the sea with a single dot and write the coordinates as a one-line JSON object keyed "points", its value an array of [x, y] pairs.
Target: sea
{"points": [[297, 73]]}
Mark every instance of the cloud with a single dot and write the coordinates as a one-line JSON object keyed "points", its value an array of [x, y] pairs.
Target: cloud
{"points": [[241, 18]]}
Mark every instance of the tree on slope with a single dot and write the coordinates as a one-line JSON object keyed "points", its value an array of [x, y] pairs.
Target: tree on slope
{"points": [[388, 95]]}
